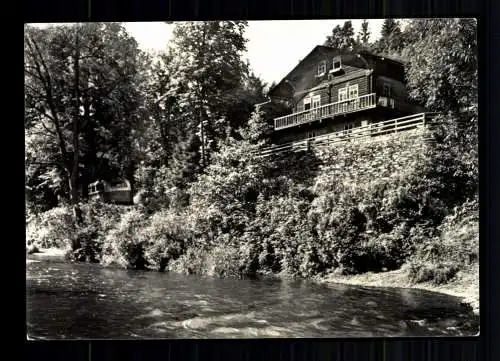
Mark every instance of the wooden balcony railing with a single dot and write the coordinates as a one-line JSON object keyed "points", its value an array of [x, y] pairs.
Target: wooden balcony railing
{"points": [[326, 111], [411, 122]]}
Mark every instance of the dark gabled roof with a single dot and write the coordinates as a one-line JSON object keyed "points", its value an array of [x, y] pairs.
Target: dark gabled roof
{"points": [[363, 53], [314, 50]]}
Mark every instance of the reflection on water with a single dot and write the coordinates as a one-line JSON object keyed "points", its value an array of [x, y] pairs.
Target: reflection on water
{"points": [[71, 301]]}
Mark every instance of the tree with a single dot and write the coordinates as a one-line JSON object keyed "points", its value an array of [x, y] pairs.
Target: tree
{"points": [[443, 69], [364, 33], [251, 92], [210, 66], [163, 120], [389, 26], [82, 91], [391, 40], [42, 94], [185, 160], [442, 74], [342, 37], [257, 130]]}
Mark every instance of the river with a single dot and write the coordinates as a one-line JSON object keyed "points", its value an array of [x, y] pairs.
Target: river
{"points": [[87, 301]]}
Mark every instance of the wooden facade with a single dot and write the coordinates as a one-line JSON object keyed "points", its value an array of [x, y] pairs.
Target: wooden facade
{"points": [[118, 191], [330, 90]]}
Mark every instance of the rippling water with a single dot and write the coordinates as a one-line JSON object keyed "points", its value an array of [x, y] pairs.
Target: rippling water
{"points": [[71, 301]]}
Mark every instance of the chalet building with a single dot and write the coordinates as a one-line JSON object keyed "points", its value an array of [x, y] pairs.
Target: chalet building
{"points": [[332, 91], [117, 191]]}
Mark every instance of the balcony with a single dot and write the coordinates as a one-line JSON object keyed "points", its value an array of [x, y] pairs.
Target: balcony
{"points": [[415, 122], [326, 111]]}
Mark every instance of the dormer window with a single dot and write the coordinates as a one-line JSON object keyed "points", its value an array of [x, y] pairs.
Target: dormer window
{"points": [[307, 103], [336, 64], [321, 69]]}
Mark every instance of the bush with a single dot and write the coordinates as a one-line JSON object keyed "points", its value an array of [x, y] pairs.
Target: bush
{"points": [[123, 244], [283, 236], [194, 261], [233, 261], [440, 258], [460, 233], [165, 238], [86, 245], [435, 272], [220, 261], [311, 259], [52, 228], [223, 200], [32, 248], [156, 190]]}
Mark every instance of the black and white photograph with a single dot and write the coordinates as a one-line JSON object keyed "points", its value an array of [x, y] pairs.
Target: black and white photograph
{"points": [[251, 179]]}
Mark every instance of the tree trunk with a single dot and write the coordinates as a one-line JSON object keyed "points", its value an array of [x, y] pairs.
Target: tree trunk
{"points": [[164, 133], [73, 180], [202, 140], [201, 97]]}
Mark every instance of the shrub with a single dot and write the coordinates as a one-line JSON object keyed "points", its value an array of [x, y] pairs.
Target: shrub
{"points": [[233, 261], [223, 200], [154, 188], [32, 248], [283, 235], [194, 261], [123, 244], [440, 258], [435, 272], [165, 237], [52, 228], [86, 246], [311, 260], [460, 233]]}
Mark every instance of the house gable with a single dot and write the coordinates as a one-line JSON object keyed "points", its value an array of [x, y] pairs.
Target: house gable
{"points": [[328, 89], [305, 75]]}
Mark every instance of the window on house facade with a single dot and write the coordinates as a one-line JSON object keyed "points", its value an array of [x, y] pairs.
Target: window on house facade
{"points": [[386, 90], [336, 64], [353, 91], [342, 94], [321, 69], [316, 101], [307, 103], [348, 128]]}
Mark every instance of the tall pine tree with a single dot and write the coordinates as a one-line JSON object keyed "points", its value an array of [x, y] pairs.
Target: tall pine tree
{"points": [[341, 37], [391, 40], [364, 33]]}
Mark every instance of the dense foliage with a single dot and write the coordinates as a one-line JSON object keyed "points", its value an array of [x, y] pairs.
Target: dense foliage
{"points": [[181, 125]]}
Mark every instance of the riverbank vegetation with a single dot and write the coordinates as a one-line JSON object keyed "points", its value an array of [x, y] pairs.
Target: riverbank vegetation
{"points": [[182, 127]]}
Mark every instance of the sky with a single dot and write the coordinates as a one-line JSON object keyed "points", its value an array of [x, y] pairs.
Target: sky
{"points": [[274, 47]]}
